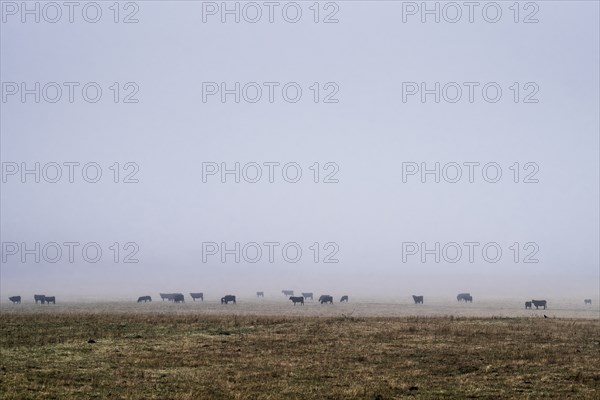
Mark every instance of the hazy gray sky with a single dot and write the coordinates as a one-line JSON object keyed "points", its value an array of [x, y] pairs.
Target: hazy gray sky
{"points": [[368, 135]]}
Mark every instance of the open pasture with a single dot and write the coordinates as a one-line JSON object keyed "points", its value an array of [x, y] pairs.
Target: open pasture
{"points": [[209, 351], [357, 307]]}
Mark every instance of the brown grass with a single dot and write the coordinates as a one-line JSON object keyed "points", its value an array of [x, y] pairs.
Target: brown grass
{"points": [[248, 357]]}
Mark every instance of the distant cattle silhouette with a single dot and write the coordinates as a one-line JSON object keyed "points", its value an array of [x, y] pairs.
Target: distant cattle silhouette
{"points": [[297, 299], [587, 301], [178, 298], [260, 294], [227, 299], [197, 296], [167, 296], [171, 296], [464, 297], [307, 295], [144, 299], [287, 292], [15, 299], [50, 299], [326, 299], [527, 305], [344, 299], [418, 299], [539, 303], [39, 297]]}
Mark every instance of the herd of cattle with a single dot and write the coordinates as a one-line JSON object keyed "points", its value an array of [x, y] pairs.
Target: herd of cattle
{"points": [[324, 299], [41, 298]]}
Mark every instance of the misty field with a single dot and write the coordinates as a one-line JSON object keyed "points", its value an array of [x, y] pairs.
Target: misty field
{"points": [[187, 356]]}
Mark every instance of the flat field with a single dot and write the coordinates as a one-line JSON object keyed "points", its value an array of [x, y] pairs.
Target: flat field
{"points": [[152, 353]]}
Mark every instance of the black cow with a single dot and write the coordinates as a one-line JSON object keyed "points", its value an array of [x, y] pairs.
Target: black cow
{"points": [[260, 294], [15, 299], [464, 297], [297, 299], [344, 299], [587, 301], [50, 299], [144, 299], [197, 296], [39, 297], [227, 299], [178, 298], [171, 296], [326, 299], [167, 296], [418, 299], [539, 303], [287, 292], [528, 305], [307, 295]]}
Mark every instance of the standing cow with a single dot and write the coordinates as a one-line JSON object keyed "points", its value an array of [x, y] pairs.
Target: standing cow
{"points": [[528, 305], [297, 299], [178, 298], [307, 295], [464, 297], [165, 296], [539, 303], [227, 299], [15, 299], [418, 299], [587, 301], [344, 299], [197, 296], [326, 299], [260, 294], [287, 292], [144, 299], [50, 299], [39, 297]]}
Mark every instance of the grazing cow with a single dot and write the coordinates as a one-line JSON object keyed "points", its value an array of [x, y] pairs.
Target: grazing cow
{"points": [[287, 292], [260, 294], [464, 297], [197, 296], [227, 299], [528, 305], [418, 299], [326, 299], [297, 299], [178, 298], [307, 295], [50, 299], [587, 301], [39, 297], [15, 299], [344, 299], [539, 303], [144, 299]]}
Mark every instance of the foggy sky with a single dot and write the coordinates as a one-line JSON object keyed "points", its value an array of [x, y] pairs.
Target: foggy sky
{"points": [[368, 134]]}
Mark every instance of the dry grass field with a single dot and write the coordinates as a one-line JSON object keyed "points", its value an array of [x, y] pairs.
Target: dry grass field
{"points": [[187, 356]]}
